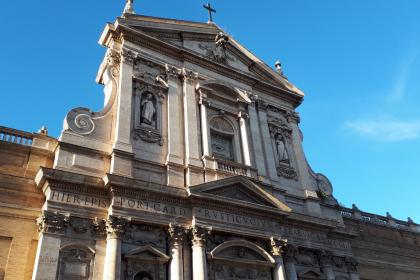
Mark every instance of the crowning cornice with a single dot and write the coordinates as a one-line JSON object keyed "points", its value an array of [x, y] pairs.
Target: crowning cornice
{"points": [[126, 33]]}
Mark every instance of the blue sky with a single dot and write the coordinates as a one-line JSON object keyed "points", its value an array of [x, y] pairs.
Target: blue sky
{"points": [[358, 63]]}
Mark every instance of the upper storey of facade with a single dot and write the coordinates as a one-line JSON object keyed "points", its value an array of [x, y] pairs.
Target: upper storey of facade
{"points": [[185, 104]]}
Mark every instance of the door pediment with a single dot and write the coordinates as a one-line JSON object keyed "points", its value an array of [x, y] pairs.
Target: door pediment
{"points": [[238, 189]]}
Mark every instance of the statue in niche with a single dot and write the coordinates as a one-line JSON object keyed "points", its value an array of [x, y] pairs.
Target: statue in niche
{"points": [[282, 150], [148, 110]]}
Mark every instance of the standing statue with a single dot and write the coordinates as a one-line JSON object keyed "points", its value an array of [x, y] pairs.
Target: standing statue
{"points": [[148, 110], [281, 149]]}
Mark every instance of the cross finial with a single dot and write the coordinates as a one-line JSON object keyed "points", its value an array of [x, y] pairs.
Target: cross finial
{"points": [[128, 9], [210, 10]]}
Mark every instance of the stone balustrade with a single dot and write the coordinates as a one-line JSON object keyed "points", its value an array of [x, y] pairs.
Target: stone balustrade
{"points": [[355, 213], [15, 136], [235, 168]]}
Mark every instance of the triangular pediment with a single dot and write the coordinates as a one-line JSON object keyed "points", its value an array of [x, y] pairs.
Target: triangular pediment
{"points": [[238, 189], [147, 252], [199, 39], [311, 274]]}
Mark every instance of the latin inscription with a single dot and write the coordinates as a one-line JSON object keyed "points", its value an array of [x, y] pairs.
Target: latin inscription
{"points": [[152, 206], [236, 219], [77, 199]]}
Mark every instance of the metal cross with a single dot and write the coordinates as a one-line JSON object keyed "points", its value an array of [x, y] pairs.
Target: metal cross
{"points": [[210, 10]]}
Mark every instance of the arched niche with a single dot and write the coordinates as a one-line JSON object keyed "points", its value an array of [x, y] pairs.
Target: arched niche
{"points": [[148, 102], [240, 259], [145, 262], [75, 262]]}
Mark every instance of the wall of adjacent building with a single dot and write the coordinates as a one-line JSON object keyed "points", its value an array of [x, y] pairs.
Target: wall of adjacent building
{"points": [[385, 252], [21, 155]]}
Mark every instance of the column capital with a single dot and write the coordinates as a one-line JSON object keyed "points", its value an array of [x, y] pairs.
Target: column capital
{"points": [[116, 226], [262, 105], [52, 222], [277, 246], [188, 76], [199, 235], [177, 234], [172, 71]]}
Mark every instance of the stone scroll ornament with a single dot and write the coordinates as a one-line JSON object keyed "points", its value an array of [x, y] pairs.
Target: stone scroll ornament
{"points": [[82, 120]]}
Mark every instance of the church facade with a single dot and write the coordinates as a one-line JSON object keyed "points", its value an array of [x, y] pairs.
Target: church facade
{"points": [[194, 169]]}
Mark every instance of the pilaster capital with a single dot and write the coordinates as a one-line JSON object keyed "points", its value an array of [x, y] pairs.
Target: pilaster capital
{"points": [[128, 57], [177, 234], [116, 226], [199, 235], [262, 105], [188, 76], [52, 222], [113, 58], [277, 246], [292, 116], [172, 72]]}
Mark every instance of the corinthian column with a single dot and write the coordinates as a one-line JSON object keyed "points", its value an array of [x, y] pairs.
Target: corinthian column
{"points": [[199, 253], [176, 269], [277, 251], [115, 227], [289, 264]]}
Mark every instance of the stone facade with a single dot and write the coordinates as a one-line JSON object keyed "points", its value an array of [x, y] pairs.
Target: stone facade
{"points": [[194, 169]]}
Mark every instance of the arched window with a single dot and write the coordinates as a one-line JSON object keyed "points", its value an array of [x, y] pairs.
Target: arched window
{"points": [[222, 139]]}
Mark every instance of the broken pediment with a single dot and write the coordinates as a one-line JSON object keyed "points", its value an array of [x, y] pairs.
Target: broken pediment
{"points": [[238, 189]]}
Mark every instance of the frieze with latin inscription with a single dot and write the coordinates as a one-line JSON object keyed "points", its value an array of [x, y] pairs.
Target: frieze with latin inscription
{"points": [[79, 199], [223, 216]]}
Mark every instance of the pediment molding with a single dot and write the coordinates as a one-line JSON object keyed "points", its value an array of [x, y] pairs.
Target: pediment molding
{"points": [[147, 253], [239, 190], [259, 74], [309, 274]]}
